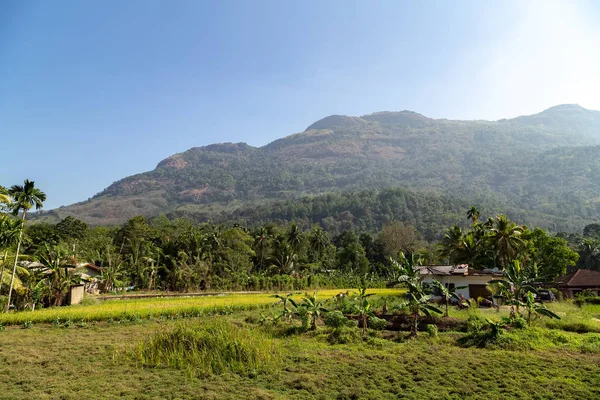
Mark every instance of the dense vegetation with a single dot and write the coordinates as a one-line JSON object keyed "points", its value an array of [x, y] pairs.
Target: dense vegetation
{"points": [[535, 166], [298, 345], [179, 255]]}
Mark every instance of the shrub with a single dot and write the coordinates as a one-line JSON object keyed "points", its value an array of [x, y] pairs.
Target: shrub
{"points": [[475, 324], [518, 322], [336, 319], [432, 331], [377, 323], [214, 347], [344, 335]]}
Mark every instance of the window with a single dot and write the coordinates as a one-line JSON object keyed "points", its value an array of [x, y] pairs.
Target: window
{"points": [[450, 286]]}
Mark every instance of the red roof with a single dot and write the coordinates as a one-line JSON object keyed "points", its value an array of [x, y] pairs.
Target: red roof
{"points": [[580, 278]]}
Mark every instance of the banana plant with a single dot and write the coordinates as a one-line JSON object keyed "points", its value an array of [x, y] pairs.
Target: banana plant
{"points": [[532, 307], [314, 308], [417, 297], [364, 307], [447, 293], [286, 313], [517, 284]]}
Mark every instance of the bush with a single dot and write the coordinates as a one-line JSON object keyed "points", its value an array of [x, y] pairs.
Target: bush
{"points": [[214, 347], [343, 335], [378, 324], [432, 331], [518, 322], [475, 324], [336, 319]]}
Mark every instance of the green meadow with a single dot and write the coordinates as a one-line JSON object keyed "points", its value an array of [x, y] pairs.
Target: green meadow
{"points": [[238, 352]]}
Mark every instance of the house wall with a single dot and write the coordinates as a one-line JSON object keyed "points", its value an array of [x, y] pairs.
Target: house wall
{"points": [[76, 294], [460, 280]]}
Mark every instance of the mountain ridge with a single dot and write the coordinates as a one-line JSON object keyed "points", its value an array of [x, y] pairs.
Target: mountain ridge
{"points": [[374, 151]]}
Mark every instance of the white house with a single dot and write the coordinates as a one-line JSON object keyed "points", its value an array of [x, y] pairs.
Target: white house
{"points": [[455, 276]]}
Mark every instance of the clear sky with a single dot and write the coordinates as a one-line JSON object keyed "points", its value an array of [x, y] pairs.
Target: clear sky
{"points": [[93, 91]]}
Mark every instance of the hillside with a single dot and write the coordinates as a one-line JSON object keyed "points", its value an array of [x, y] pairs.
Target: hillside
{"points": [[546, 163]]}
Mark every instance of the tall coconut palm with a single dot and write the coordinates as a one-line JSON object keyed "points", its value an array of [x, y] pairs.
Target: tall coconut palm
{"points": [[505, 239], [451, 243], [589, 253], [318, 241], [25, 198], [473, 214]]}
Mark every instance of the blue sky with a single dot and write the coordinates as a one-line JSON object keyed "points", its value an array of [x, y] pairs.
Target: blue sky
{"points": [[93, 91]]}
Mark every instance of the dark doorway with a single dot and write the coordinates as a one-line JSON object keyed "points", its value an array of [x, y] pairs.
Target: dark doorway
{"points": [[476, 291]]}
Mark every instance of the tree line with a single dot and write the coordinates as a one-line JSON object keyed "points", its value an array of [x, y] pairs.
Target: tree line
{"points": [[179, 255]]}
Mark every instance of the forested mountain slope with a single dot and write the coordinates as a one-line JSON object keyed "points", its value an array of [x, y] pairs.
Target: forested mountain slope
{"points": [[547, 164]]}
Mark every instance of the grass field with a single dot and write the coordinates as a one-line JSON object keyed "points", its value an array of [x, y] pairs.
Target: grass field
{"points": [[94, 361]]}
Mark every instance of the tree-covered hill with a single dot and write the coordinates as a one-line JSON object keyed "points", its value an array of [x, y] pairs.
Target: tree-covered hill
{"points": [[369, 210], [545, 164]]}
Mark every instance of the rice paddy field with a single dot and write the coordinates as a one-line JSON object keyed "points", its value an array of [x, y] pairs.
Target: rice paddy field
{"points": [[165, 307], [109, 356]]}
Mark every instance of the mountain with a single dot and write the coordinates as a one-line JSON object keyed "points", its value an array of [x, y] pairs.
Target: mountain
{"points": [[545, 163]]}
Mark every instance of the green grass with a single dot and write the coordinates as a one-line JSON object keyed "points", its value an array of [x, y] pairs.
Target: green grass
{"points": [[167, 307], [583, 319], [225, 357], [45, 362]]}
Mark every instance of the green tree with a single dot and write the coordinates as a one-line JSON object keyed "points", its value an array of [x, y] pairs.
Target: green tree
{"points": [[505, 238], [473, 214], [451, 244], [592, 231], [24, 197], [552, 255], [589, 253], [399, 237]]}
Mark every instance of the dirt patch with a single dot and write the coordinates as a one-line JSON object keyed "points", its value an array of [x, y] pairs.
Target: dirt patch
{"points": [[403, 322], [193, 194]]}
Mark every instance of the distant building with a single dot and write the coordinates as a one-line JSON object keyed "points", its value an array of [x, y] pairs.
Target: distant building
{"points": [[457, 276], [90, 275], [575, 282]]}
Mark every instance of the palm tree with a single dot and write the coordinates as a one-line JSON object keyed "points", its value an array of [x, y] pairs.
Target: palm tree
{"points": [[262, 247], [473, 214], [318, 241], [25, 198], [505, 238], [294, 237], [451, 243], [590, 254]]}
